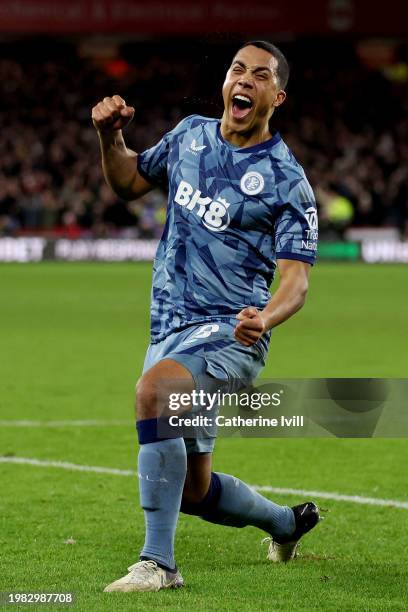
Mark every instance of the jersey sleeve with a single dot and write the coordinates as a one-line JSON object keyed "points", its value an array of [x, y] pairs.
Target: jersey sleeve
{"points": [[152, 163], [296, 226]]}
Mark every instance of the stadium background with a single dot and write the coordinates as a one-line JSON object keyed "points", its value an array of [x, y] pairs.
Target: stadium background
{"points": [[73, 335], [345, 117]]}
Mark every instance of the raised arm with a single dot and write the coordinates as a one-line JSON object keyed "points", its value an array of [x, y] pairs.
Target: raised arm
{"points": [[288, 299], [119, 163]]}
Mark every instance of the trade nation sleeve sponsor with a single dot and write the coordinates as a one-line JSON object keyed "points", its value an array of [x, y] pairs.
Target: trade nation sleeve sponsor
{"points": [[296, 226]]}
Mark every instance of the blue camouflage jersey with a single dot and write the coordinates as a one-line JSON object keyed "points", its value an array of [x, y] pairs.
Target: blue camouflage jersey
{"points": [[231, 213]]}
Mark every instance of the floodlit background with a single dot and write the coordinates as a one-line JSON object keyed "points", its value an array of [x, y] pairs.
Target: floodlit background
{"points": [[345, 117], [73, 332]]}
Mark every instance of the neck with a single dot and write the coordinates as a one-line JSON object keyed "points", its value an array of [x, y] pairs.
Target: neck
{"points": [[254, 136]]}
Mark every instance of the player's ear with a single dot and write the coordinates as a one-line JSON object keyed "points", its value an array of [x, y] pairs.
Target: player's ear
{"points": [[280, 98]]}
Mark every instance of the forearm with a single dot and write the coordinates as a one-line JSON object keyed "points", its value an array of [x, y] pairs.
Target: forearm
{"points": [[119, 163], [288, 299]]}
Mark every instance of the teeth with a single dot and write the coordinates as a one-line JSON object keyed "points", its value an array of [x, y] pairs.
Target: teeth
{"points": [[244, 98]]}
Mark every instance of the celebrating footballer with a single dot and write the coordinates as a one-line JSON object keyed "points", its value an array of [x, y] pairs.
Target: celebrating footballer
{"points": [[239, 206]]}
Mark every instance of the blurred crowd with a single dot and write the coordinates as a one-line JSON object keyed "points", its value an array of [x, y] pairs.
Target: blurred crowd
{"points": [[346, 124]]}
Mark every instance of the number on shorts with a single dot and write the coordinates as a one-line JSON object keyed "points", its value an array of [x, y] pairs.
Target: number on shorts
{"points": [[204, 332]]}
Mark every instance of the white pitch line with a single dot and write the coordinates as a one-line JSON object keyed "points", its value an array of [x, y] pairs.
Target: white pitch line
{"points": [[65, 465], [89, 423], [355, 499]]}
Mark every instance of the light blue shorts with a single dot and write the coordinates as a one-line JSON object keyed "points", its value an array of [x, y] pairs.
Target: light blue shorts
{"points": [[210, 352]]}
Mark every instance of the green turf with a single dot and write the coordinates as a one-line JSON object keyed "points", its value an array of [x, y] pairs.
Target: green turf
{"points": [[73, 338]]}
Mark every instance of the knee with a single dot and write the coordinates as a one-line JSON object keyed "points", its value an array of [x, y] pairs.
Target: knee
{"points": [[194, 493], [146, 398], [201, 497], [198, 501]]}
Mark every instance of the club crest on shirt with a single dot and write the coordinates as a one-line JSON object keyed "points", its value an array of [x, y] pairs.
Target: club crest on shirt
{"points": [[252, 183]]}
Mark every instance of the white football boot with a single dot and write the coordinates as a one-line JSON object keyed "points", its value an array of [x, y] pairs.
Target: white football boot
{"points": [[146, 576], [282, 550]]}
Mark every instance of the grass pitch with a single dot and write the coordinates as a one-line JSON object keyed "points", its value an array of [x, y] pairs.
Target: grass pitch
{"points": [[73, 338]]}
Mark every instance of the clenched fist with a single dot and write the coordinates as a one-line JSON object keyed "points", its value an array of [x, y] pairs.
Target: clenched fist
{"points": [[112, 114], [251, 326]]}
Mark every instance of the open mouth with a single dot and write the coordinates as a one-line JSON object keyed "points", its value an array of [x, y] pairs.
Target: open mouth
{"points": [[241, 106]]}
